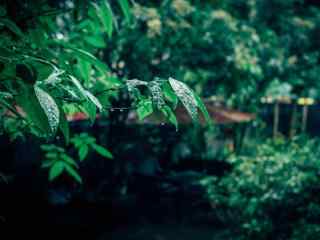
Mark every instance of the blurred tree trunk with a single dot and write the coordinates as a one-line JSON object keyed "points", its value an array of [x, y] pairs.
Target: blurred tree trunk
{"points": [[276, 113], [293, 121]]}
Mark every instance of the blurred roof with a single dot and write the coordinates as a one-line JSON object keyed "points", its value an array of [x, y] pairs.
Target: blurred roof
{"points": [[219, 114]]}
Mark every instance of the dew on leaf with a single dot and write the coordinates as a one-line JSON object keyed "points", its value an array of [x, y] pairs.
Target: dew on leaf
{"points": [[186, 96]]}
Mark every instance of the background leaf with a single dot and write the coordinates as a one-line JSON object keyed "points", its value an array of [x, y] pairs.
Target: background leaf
{"points": [[73, 173], [83, 152], [101, 150], [124, 5], [11, 26], [56, 170]]}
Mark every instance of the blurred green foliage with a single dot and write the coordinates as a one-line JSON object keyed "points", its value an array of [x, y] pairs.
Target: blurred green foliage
{"points": [[236, 49], [270, 192], [77, 56], [51, 65]]}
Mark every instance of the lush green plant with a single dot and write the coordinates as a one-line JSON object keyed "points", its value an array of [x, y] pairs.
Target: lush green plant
{"points": [[270, 190], [83, 142], [306, 231], [57, 159], [48, 65], [235, 50]]}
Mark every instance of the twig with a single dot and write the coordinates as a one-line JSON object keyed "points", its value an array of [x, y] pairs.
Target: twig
{"points": [[12, 109]]}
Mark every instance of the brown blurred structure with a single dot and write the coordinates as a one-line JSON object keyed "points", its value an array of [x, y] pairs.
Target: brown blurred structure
{"points": [[218, 113]]}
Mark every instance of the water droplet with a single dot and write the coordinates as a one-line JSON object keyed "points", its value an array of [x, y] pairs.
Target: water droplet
{"points": [[157, 96], [121, 109], [111, 109], [186, 97]]}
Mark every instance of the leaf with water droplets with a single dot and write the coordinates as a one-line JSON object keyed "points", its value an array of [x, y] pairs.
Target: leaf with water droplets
{"points": [[156, 93], [94, 100], [186, 96], [78, 85], [54, 77], [86, 94], [132, 85], [135, 83], [49, 107]]}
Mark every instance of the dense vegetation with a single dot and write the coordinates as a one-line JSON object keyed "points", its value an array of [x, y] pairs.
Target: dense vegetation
{"points": [[108, 59], [48, 70]]}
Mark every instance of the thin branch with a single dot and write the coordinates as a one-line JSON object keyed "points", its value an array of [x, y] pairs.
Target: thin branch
{"points": [[12, 109]]}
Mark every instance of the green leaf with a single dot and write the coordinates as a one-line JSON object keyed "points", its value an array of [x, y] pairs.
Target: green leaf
{"points": [[186, 96], [37, 37], [69, 160], [101, 150], [52, 155], [203, 109], [91, 59], [145, 108], [11, 26], [54, 77], [73, 173], [48, 147], [90, 109], [78, 85], [83, 152], [84, 68], [169, 114], [64, 126], [84, 23], [50, 108], [124, 5], [47, 163], [170, 94], [108, 18], [94, 100], [86, 93], [105, 15], [95, 41], [56, 170], [5, 95], [35, 114]]}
